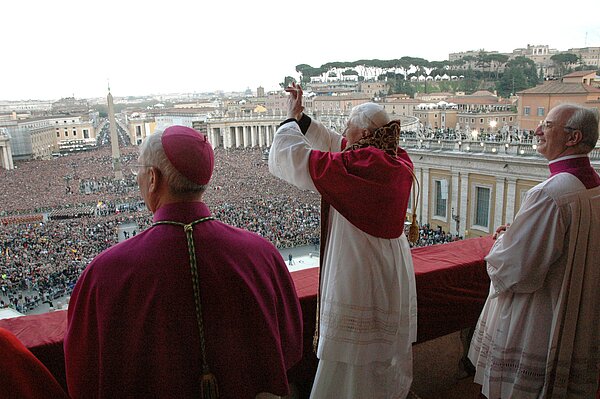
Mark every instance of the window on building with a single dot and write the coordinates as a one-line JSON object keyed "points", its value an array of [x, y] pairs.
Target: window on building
{"points": [[482, 206], [86, 134], [441, 198], [57, 134], [540, 111], [527, 111]]}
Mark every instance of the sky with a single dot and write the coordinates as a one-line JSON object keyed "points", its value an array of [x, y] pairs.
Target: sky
{"points": [[64, 48]]}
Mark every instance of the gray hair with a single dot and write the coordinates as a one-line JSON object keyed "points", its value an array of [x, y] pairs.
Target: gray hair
{"points": [[368, 116], [585, 120], [152, 153]]}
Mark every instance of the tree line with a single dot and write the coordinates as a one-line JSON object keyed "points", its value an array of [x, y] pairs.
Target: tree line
{"points": [[493, 71]]}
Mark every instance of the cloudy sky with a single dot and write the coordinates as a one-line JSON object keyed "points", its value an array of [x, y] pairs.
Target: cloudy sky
{"points": [[61, 48]]}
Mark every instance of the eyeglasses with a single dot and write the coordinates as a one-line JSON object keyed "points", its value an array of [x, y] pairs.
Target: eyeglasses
{"points": [[135, 168], [545, 125]]}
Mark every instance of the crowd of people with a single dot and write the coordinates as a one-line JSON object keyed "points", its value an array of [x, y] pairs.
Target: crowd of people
{"points": [[42, 261], [429, 236], [41, 257], [39, 186]]}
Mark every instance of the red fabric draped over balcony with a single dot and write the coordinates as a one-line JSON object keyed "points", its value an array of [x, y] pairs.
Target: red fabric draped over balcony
{"points": [[452, 286]]}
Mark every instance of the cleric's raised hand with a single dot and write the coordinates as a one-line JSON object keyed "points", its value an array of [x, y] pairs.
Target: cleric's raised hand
{"points": [[294, 104]]}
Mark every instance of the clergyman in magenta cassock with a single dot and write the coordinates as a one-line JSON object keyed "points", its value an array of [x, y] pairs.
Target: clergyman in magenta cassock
{"points": [[133, 329]]}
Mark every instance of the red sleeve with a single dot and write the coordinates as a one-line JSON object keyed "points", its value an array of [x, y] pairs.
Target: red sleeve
{"points": [[22, 374]]}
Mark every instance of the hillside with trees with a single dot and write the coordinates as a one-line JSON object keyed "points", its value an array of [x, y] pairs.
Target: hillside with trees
{"points": [[486, 71]]}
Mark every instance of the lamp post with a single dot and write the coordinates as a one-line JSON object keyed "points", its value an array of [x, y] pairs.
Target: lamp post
{"points": [[456, 218]]}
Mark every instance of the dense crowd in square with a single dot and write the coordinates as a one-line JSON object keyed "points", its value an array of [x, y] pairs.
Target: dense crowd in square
{"points": [[57, 214]]}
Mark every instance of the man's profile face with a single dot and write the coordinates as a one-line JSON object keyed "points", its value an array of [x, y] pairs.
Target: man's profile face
{"points": [[553, 133], [352, 133]]}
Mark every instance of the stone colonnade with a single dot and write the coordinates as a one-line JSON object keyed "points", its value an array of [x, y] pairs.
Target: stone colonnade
{"points": [[6, 161], [242, 133]]}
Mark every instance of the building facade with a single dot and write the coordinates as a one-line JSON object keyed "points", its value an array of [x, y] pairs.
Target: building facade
{"points": [[30, 138], [73, 132], [470, 189], [341, 104], [588, 55], [535, 103], [140, 126], [399, 104], [374, 89]]}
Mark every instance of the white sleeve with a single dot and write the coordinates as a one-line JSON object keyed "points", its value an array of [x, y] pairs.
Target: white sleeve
{"points": [[289, 156], [522, 256], [322, 138]]}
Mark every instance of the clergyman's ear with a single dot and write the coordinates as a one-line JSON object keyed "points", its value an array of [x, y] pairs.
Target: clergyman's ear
{"points": [[153, 179], [576, 138]]}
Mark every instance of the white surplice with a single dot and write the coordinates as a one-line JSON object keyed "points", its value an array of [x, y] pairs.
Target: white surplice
{"points": [[368, 295], [538, 335]]}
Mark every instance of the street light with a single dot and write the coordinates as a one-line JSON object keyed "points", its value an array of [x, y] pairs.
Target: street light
{"points": [[456, 218]]}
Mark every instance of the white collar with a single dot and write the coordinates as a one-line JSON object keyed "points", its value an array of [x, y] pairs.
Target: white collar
{"points": [[568, 157]]}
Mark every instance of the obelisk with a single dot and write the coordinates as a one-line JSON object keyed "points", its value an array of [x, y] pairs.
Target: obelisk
{"points": [[114, 138]]}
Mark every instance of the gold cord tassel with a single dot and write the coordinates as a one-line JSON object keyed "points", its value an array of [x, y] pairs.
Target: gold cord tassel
{"points": [[208, 382], [413, 231], [208, 386]]}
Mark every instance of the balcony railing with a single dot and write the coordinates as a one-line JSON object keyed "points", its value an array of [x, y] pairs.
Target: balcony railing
{"points": [[520, 148], [452, 286], [443, 308]]}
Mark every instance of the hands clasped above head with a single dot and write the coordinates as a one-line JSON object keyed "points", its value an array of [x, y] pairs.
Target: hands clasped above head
{"points": [[294, 105]]}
